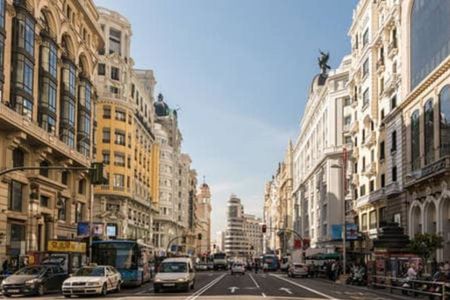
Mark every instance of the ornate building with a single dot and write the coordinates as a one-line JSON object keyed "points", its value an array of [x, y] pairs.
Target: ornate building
{"points": [[125, 136], [47, 58], [203, 219]]}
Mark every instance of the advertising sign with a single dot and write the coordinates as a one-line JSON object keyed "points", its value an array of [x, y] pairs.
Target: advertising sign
{"points": [[111, 230], [66, 246], [83, 229], [352, 231]]}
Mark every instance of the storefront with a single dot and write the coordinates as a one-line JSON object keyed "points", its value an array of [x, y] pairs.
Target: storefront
{"points": [[70, 255]]}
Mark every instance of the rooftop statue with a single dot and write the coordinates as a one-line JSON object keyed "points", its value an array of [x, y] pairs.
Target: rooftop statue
{"points": [[323, 62]]}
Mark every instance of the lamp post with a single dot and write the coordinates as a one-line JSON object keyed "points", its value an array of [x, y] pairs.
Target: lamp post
{"points": [[344, 221]]}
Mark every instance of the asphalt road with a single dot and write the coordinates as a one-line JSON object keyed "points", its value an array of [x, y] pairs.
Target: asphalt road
{"points": [[223, 285]]}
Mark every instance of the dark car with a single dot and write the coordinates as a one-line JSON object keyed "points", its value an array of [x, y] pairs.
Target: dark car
{"points": [[34, 280]]}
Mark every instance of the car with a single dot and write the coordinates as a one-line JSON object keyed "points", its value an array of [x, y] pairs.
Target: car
{"points": [[201, 267], [92, 280], [298, 269], [210, 265], [34, 280], [175, 273], [238, 268]]}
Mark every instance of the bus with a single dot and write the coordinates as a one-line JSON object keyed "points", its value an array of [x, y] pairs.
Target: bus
{"points": [[220, 261], [272, 262], [130, 258]]}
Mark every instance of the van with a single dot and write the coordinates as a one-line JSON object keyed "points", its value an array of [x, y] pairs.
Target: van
{"points": [[175, 273]]}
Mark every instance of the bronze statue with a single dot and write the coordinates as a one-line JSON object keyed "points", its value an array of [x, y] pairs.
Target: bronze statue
{"points": [[323, 62]]}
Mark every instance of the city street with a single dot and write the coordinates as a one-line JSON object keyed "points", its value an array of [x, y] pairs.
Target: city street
{"points": [[223, 285]]}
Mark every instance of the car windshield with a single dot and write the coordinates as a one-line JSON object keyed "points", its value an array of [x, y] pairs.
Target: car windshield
{"points": [[298, 266], [173, 267], [90, 271], [31, 271]]}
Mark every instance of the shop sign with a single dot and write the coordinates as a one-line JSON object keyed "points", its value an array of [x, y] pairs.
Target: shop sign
{"points": [[66, 246]]}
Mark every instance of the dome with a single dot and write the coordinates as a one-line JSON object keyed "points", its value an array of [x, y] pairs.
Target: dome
{"points": [[161, 107]]}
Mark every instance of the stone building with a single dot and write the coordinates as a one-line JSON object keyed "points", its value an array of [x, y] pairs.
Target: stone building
{"points": [[203, 220], [125, 136], [272, 215], [318, 158], [254, 235], [48, 56]]}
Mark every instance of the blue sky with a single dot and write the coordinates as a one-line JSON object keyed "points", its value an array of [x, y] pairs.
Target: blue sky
{"points": [[239, 70]]}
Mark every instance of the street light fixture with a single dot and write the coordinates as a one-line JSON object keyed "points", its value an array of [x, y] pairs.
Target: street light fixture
{"points": [[344, 221]]}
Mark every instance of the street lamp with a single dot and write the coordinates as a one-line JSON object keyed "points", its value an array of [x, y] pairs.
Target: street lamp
{"points": [[344, 229]]}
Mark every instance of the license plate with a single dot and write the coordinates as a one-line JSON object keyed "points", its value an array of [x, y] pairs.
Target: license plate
{"points": [[14, 291], [169, 284]]}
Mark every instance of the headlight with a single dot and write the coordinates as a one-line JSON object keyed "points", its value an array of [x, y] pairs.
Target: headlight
{"points": [[32, 281], [182, 279], [157, 280], [93, 283]]}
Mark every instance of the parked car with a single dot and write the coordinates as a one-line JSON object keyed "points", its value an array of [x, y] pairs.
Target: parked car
{"points": [[92, 280], [298, 269], [201, 267], [34, 280], [175, 273], [238, 268]]}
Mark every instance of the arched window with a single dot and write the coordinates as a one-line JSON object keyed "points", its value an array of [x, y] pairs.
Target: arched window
{"points": [[444, 112], [429, 132], [415, 140], [430, 37]]}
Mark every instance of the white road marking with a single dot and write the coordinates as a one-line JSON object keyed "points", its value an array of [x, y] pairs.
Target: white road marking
{"points": [[286, 290], [233, 289], [254, 281], [304, 287], [205, 288], [264, 295]]}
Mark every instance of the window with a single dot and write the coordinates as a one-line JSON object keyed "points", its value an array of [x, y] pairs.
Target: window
{"points": [[44, 201], [119, 159], [44, 172], [355, 168], [101, 69], [429, 132], [430, 37], [133, 87], [114, 90], [382, 114], [106, 157], [18, 158], [365, 68], [363, 134], [364, 222], [444, 113], [383, 180], [366, 97], [362, 190], [366, 37], [106, 112], [347, 101], [415, 140], [106, 138], [373, 219], [24, 32], [114, 41], [381, 215], [394, 141], [62, 209], [82, 186], [382, 153], [372, 155], [119, 180], [393, 102], [347, 120], [394, 173], [64, 177], [115, 73], [119, 138], [371, 186], [121, 115], [15, 196], [79, 210]]}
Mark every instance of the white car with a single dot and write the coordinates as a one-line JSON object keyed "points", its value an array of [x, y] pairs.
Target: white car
{"points": [[92, 280], [238, 268], [175, 273], [298, 269]]}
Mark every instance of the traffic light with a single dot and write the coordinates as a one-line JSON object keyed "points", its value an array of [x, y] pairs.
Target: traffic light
{"points": [[264, 228], [97, 173]]}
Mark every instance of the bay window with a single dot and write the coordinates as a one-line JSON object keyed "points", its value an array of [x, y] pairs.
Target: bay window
{"points": [[444, 113], [415, 140], [47, 85], [67, 116], [429, 132]]}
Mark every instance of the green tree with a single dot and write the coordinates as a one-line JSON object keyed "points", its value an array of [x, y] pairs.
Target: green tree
{"points": [[425, 245]]}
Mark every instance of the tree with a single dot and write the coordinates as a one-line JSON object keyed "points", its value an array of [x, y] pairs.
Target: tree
{"points": [[425, 245]]}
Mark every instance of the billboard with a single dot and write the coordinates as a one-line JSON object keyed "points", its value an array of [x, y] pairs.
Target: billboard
{"points": [[351, 231]]}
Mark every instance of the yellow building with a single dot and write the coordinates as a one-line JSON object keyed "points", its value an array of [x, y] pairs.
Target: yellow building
{"points": [[47, 101], [125, 137]]}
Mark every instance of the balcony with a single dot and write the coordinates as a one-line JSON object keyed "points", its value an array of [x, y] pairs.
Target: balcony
{"points": [[355, 152], [362, 201], [377, 195], [371, 139], [354, 179], [391, 84], [392, 189], [435, 169], [380, 65], [370, 169], [354, 128]]}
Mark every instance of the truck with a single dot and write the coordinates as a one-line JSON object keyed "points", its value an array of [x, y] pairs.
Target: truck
{"points": [[220, 261]]}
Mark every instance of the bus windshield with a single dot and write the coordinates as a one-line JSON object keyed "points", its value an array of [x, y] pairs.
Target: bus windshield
{"points": [[118, 254]]}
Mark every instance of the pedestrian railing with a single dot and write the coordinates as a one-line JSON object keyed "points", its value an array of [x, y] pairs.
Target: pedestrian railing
{"points": [[433, 289]]}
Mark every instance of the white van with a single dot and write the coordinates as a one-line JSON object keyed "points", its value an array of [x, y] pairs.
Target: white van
{"points": [[175, 273]]}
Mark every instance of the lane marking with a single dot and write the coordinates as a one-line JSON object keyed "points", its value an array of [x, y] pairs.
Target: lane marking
{"points": [[304, 287], [286, 290], [205, 288], [233, 289], [254, 281], [264, 295]]}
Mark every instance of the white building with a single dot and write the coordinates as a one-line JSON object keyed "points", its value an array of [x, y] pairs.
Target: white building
{"points": [[235, 239], [318, 153], [253, 231]]}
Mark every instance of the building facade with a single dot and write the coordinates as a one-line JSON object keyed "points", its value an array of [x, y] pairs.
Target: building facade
{"points": [[236, 243], [203, 220], [125, 137], [254, 234], [319, 156], [48, 56]]}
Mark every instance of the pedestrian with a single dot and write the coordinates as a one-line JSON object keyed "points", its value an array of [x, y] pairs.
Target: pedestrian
{"points": [[5, 266], [333, 271], [256, 267]]}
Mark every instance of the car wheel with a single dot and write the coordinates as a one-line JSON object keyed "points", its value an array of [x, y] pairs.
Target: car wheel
{"points": [[66, 296], [193, 284], [104, 291], [41, 290], [6, 295], [156, 289], [119, 286]]}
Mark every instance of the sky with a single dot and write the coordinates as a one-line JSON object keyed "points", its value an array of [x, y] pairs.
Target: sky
{"points": [[239, 70]]}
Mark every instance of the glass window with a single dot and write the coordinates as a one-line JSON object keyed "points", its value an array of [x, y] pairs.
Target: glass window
{"points": [[415, 140], [120, 115], [18, 158], [24, 32], [444, 112], [114, 41], [119, 159], [119, 180], [366, 67], [366, 37], [119, 138], [373, 219], [62, 209], [44, 201], [429, 132], [49, 57], [430, 37], [2, 14], [106, 112], [15, 196], [394, 141], [101, 69], [115, 73], [364, 222], [106, 158], [24, 73], [366, 97], [106, 135]]}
